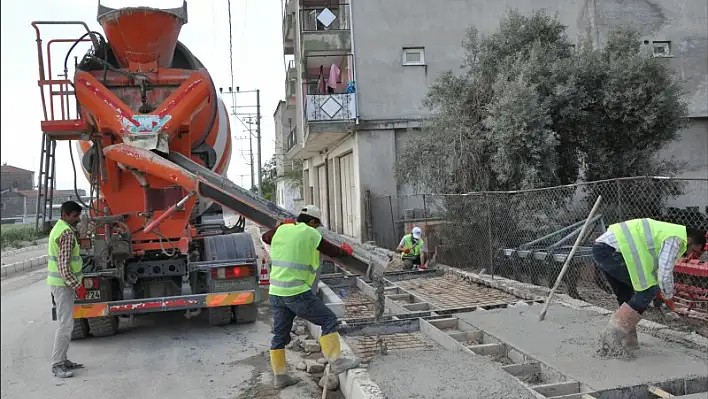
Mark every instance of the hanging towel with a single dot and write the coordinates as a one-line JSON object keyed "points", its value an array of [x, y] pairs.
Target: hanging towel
{"points": [[333, 76]]}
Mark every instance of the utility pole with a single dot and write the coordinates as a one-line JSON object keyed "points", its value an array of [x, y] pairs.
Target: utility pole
{"points": [[245, 118], [249, 122], [258, 139]]}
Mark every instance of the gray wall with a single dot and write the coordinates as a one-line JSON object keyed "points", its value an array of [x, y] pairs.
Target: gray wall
{"points": [[381, 28], [20, 181]]}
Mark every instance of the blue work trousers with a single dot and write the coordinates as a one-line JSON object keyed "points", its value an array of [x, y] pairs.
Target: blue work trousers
{"points": [[612, 264], [307, 306]]}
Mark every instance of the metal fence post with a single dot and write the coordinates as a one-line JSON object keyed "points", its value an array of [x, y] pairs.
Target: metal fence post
{"points": [[393, 223], [489, 234], [619, 199]]}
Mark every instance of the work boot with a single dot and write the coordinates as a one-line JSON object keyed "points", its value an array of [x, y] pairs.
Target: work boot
{"points": [[280, 377], [621, 331], [630, 341], [72, 366], [61, 371], [331, 349]]}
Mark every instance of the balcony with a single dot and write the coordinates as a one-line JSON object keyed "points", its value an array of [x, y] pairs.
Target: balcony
{"points": [[291, 139], [325, 29], [291, 83], [289, 28], [331, 107]]}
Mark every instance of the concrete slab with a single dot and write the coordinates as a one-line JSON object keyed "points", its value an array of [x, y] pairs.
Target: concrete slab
{"points": [[443, 374], [693, 396], [566, 340]]}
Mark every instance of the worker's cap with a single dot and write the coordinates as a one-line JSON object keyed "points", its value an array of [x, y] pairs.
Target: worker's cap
{"points": [[417, 232], [311, 210]]}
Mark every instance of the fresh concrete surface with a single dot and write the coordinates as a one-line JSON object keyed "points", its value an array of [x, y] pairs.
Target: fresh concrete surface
{"points": [[443, 374], [159, 356], [566, 340]]}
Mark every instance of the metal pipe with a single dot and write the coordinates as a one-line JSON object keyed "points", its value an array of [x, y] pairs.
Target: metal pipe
{"points": [[152, 225]]}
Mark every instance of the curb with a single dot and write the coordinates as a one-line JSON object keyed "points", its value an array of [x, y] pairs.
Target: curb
{"points": [[13, 252], [355, 383], [27, 264]]}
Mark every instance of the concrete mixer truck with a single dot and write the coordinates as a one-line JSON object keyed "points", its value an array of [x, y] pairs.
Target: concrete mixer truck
{"points": [[153, 140]]}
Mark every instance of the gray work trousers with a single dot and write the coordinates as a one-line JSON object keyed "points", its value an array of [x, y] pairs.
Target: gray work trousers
{"points": [[64, 300]]}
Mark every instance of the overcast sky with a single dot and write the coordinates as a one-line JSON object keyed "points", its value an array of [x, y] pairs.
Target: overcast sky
{"points": [[258, 63]]}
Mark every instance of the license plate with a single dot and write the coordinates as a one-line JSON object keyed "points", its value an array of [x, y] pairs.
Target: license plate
{"points": [[90, 295]]}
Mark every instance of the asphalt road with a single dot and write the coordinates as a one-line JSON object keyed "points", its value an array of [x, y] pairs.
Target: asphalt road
{"points": [[158, 356]]}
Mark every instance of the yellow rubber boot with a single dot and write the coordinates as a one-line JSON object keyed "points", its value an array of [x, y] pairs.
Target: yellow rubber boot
{"points": [[332, 351], [280, 377]]}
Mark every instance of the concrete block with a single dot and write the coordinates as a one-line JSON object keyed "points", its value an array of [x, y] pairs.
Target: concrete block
{"points": [[467, 336], [558, 388], [312, 367], [418, 307], [522, 369], [311, 345], [487, 349], [444, 323]]}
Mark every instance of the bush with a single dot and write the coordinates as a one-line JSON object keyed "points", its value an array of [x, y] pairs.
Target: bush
{"points": [[14, 235]]}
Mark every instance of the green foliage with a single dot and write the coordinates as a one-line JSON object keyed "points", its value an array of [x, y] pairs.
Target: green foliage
{"points": [[530, 111], [15, 235], [268, 175]]}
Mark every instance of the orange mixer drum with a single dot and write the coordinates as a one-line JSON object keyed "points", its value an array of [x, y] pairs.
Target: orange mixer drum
{"points": [[144, 40]]}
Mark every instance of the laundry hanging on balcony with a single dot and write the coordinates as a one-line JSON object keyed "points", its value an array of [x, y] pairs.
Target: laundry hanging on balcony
{"points": [[334, 74]]}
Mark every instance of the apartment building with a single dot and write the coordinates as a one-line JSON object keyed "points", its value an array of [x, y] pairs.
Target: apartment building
{"points": [[359, 70]]}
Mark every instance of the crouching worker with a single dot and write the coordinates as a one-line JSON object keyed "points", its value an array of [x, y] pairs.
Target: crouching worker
{"points": [[295, 258], [637, 257], [412, 250]]}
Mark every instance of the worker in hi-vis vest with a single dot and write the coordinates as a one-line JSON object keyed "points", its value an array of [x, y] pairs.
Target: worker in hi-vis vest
{"points": [[637, 257], [64, 276], [295, 248], [412, 249]]}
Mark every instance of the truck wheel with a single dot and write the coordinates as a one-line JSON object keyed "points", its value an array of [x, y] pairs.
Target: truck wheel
{"points": [[246, 314], [220, 316], [81, 329], [103, 326]]}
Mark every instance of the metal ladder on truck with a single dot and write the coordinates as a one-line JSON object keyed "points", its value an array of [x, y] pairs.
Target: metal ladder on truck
{"points": [[56, 125]]}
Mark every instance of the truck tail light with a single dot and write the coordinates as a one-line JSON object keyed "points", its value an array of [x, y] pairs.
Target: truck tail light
{"points": [[91, 283], [226, 273]]}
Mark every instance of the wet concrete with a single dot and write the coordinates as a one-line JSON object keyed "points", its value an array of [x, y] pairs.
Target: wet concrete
{"points": [[567, 339], [443, 374]]}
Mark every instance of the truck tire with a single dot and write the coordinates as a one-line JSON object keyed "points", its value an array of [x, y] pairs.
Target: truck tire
{"points": [[81, 329], [103, 326], [246, 314], [220, 316]]}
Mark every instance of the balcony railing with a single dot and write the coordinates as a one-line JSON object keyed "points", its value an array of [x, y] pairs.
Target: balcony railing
{"points": [[320, 19], [331, 107], [291, 140]]}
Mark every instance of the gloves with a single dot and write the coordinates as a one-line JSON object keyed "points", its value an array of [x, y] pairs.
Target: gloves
{"points": [[668, 302], [407, 251], [81, 291], [347, 248]]}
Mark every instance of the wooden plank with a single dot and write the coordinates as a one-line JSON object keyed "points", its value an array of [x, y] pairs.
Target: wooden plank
{"points": [[659, 392]]}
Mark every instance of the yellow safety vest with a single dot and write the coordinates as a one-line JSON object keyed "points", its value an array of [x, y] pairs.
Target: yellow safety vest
{"points": [[415, 249], [76, 265], [640, 241], [294, 259]]}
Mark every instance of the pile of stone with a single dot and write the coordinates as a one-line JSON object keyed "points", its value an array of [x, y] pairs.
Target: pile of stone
{"points": [[302, 341]]}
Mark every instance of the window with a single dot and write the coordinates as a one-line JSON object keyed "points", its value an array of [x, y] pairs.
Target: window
{"points": [[413, 56], [661, 49]]}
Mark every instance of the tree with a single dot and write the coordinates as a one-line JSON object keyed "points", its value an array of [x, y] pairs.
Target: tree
{"points": [[529, 111], [268, 176]]}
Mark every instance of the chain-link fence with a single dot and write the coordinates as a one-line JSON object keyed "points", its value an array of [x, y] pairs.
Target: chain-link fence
{"points": [[527, 235]]}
